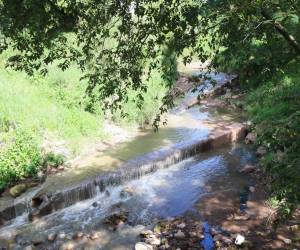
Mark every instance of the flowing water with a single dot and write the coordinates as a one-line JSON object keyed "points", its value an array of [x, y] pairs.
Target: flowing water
{"points": [[153, 176]]}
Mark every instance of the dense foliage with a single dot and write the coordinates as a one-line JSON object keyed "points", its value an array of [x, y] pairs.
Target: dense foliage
{"points": [[274, 108]]}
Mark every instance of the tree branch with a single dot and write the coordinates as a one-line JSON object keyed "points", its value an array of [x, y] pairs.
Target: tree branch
{"points": [[282, 31]]}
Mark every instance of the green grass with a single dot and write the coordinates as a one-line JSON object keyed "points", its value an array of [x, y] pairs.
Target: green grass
{"points": [[47, 105]]}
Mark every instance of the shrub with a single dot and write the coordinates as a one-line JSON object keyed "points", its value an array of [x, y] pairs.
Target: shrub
{"points": [[19, 157], [53, 160]]}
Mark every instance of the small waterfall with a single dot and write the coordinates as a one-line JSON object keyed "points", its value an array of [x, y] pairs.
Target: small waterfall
{"points": [[41, 205]]}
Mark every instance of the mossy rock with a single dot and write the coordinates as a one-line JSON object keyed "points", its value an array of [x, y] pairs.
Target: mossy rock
{"points": [[17, 190]]}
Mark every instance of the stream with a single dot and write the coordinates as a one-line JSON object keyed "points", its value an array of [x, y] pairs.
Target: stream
{"points": [[154, 176]]}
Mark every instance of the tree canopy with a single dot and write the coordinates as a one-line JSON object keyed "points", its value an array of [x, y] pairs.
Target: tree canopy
{"points": [[117, 43]]}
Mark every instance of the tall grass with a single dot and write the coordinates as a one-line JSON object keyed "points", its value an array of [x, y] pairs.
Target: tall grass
{"points": [[50, 104]]}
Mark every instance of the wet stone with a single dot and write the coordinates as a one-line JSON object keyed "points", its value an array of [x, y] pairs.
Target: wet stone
{"points": [[94, 236], [250, 138], [69, 237], [181, 225], [218, 237], [95, 204], [252, 189], [214, 231], [153, 240], [179, 235], [68, 246], [78, 235], [142, 246], [52, 236], [62, 235], [30, 247], [37, 239], [287, 241], [247, 169]]}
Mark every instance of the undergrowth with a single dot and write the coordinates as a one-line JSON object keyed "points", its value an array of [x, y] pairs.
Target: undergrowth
{"points": [[275, 110]]}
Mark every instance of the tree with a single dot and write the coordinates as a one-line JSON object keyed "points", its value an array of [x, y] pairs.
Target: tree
{"points": [[116, 43]]}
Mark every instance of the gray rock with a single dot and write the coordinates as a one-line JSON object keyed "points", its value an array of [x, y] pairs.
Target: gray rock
{"points": [[37, 239], [247, 169], [218, 237], [153, 240], [78, 235], [95, 204], [181, 225], [62, 235], [30, 247], [227, 241], [52, 236], [213, 231], [142, 246], [287, 241], [94, 236], [239, 240], [250, 138], [179, 234], [68, 246]]}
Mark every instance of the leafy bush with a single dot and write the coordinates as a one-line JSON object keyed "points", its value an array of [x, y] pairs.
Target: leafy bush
{"points": [[19, 157], [53, 160]]}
